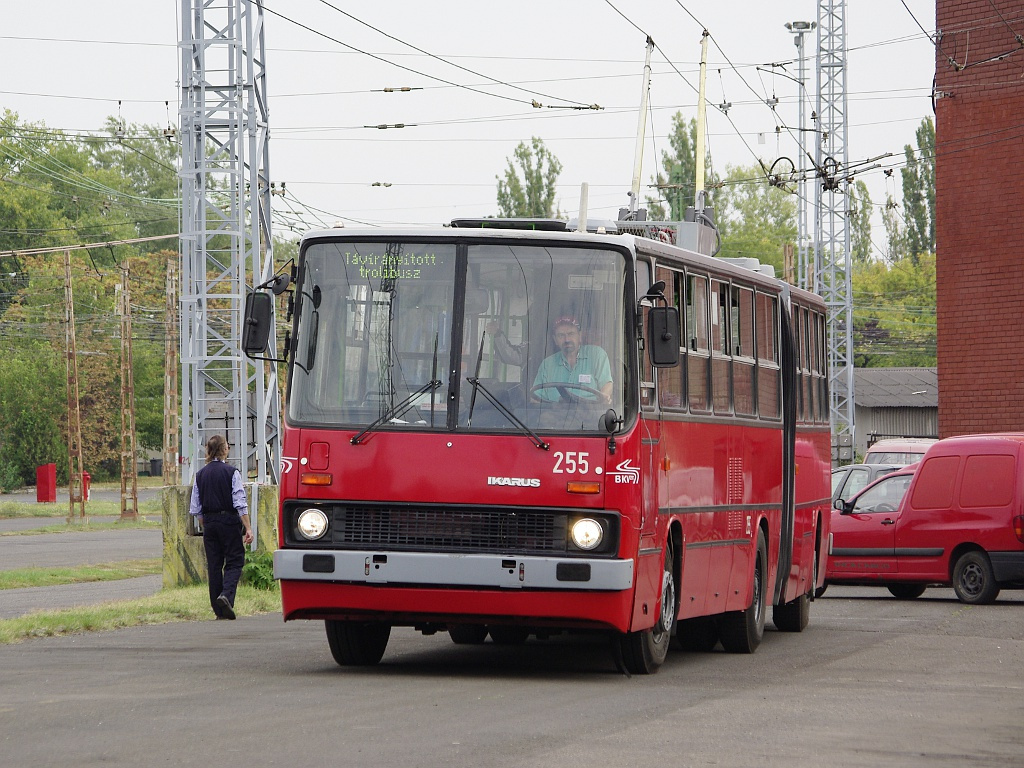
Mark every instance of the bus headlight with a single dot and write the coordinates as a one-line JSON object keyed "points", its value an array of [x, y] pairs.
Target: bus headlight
{"points": [[587, 533], [312, 524]]}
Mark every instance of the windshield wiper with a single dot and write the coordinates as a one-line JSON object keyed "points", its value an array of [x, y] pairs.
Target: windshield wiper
{"points": [[478, 385], [395, 410]]}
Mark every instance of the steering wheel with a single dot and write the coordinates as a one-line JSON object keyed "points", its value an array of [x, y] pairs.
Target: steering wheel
{"points": [[885, 508], [563, 388]]}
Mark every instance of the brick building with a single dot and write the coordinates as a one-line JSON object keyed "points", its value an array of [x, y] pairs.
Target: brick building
{"points": [[979, 210]]}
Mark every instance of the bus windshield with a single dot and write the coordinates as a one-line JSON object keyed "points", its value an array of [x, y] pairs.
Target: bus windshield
{"points": [[481, 337]]}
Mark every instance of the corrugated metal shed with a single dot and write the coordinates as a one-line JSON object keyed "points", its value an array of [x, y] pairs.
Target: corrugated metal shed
{"points": [[896, 387]]}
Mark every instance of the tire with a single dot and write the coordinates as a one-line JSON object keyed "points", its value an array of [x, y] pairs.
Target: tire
{"points": [[467, 634], [793, 616], [699, 635], [906, 591], [741, 631], [644, 651], [503, 635], [357, 643], [973, 579]]}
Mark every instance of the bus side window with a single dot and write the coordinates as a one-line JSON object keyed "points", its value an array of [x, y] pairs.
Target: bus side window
{"points": [[768, 372], [721, 364], [670, 380], [743, 348], [698, 351], [647, 384]]}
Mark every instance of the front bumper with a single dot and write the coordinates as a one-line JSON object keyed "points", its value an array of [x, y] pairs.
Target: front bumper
{"points": [[453, 570]]}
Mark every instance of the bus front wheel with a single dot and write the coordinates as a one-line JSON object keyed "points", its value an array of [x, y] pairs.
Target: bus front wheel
{"points": [[357, 643], [644, 651]]}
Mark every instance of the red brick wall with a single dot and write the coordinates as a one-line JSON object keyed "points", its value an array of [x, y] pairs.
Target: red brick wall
{"points": [[979, 200]]}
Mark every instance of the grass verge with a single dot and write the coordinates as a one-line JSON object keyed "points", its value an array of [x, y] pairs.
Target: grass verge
{"points": [[141, 523], [169, 605], [51, 577], [10, 509]]}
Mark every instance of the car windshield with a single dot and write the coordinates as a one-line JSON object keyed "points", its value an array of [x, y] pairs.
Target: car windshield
{"points": [[486, 337], [883, 496]]}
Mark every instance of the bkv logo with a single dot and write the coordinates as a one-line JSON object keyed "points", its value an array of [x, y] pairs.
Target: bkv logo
{"points": [[626, 473]]}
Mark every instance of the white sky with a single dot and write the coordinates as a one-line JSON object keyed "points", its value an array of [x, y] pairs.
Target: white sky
{"points": [[70, 63]]}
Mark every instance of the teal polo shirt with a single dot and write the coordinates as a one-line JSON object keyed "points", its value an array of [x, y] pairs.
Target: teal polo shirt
{"points": [[592, 370]]}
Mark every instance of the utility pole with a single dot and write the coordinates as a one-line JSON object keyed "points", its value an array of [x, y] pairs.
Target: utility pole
{"points": [[129, 470], [832, 241], [172, 439], [799, 29], [75, 490], [225, 236]]}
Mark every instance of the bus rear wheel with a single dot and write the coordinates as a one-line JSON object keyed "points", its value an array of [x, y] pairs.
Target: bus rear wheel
{"points": [[794, 616], [644, 651], [741, 631], [357, 643]]}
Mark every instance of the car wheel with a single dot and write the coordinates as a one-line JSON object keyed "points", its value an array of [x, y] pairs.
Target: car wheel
{"points": [[357, 643], [906, 591], [973, 579], [741, 631]]}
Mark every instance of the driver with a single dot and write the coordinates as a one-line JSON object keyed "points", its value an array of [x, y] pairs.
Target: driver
{"points": [[575, 363]]}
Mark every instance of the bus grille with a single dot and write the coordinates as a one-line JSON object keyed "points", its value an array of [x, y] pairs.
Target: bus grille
{"points": [[440, 529]]}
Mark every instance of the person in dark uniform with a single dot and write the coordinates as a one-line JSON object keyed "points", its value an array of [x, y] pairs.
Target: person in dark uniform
{"points": [[218, 498]]}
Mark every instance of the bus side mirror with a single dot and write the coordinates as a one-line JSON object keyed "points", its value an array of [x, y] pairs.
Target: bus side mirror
{"points": [[663, 336], [259, 315]]}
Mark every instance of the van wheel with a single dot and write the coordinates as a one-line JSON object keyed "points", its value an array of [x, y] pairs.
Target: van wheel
{"points": [[906, 591], [644, 651], [741, 631], [357, 643], [973, 579]]}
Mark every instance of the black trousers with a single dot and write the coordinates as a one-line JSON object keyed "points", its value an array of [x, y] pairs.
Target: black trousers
{"points": [[225, 555]]}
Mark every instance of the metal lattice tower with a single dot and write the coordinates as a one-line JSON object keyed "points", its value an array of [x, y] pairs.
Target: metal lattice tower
{"points": [[225, 236], [832, 243]]}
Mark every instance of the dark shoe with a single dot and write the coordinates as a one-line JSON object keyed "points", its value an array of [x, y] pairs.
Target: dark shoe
{"points": [[225, 607]]}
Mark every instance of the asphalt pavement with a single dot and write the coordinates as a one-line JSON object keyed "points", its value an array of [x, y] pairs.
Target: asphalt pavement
{"points": [[88, 547]]}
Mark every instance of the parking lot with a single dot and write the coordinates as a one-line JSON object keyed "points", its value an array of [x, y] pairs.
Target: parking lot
{"points": [[873, 681]]}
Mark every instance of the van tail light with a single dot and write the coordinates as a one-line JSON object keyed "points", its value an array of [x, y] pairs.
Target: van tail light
{"points": [[1018, 528]]}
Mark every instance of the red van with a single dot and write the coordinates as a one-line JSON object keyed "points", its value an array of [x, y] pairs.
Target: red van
{"points": [[955, 519]]}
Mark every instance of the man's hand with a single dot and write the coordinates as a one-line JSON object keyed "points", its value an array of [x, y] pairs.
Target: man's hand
{"points": [[247, 536]]}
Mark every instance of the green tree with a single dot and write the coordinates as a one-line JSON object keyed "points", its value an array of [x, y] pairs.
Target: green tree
{"points": [[894, 312], [528, 189], [919, 191], [32, 410], [676, 180], [756, 220], [860, 222]]}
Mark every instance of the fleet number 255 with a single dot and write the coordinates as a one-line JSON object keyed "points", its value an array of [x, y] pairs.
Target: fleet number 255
{"points": [[571, 463]]}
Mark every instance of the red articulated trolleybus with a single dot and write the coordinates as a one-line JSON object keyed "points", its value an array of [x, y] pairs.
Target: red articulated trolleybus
{"points": [[509, 431]]}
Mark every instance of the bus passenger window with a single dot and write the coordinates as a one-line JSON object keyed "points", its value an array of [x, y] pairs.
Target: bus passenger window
{"points": [[768, 371], [742, 324], [698, 352], [721, 366], [670, 380]]}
